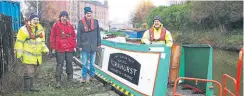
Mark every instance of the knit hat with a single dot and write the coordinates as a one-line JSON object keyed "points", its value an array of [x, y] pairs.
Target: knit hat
{"points": [[157, 18], [33, 16], [87, 9], [63, 13]]}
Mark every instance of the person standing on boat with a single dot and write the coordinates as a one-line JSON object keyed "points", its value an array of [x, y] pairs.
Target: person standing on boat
{"points": [[157, 34], [29, 46], [88, 42], [63, 43]]}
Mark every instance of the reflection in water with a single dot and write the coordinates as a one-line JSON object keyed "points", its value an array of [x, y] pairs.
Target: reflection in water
{"points": [[225, 62]]}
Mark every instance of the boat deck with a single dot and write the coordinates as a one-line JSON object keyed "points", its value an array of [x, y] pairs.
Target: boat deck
{"points": [[180, 90]]}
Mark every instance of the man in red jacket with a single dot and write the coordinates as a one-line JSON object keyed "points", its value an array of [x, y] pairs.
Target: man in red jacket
{"points": [[63, 42]]}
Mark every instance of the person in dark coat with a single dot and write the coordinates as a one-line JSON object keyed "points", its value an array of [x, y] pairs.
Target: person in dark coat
{"points": [[88, 41]]}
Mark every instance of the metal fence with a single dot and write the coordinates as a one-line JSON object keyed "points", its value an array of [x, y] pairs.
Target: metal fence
{"points": [[6, 44]]}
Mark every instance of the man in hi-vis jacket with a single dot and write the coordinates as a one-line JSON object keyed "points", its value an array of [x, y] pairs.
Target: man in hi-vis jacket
{"points": [[157, 34]]}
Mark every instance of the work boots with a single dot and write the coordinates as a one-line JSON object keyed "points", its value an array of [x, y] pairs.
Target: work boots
{"points": [[59, 72], [70, 77], [58, 81], [32, 87], [26, 84]]}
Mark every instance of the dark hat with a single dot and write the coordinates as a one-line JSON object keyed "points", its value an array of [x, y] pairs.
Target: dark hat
{"points": [[157, 18], [33, 16], [63, 13], [87, 9]]}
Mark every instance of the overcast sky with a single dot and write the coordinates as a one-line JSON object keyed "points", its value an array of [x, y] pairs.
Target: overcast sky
{"points": [[121, 10]]}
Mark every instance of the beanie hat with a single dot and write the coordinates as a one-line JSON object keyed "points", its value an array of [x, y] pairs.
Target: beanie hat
{"points": [[87, 9], [157, 18], [63, 13], [33, 16]]}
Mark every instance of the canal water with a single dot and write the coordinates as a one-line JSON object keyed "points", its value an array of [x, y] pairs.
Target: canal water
{"points": [[225, 62]]}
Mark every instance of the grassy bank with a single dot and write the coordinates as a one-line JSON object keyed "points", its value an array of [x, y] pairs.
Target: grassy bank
{"points": [[225, 41], [46, 82], [232, 41]]}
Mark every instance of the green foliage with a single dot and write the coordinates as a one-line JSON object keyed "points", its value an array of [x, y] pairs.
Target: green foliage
{"points": [[200, 15], [217, 13], [153, 13], [175, 17]]}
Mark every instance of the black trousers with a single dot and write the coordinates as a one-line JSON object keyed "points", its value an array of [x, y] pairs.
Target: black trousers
{"points": [[60, 58]]}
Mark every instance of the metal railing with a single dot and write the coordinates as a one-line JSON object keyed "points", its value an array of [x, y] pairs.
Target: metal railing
{"points": [[222, 90], [236, 80], [196, 81]]}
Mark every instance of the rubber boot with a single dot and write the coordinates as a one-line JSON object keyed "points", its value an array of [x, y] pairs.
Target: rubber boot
{"points": [[32, 87], [26, 83], [58, 81], [59, 72], [70, 77]]}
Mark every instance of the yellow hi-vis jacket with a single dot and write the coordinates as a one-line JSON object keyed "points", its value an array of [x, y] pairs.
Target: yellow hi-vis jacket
{"points": [[30, 50], [157, 33]]}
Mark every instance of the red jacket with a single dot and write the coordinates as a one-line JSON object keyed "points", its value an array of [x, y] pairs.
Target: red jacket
{"points": [[62, 37]]}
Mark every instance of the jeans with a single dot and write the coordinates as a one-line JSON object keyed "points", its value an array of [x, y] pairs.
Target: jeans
{"points": [[84, 59]]}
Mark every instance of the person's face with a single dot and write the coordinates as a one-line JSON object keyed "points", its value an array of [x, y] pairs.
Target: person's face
{"points": [[156, 23], [35, 21], [64, 18], [89, 15]]}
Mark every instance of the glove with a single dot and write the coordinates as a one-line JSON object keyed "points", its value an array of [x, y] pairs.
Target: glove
{"points": [[80, 49], [53, 51], [20, 59]]}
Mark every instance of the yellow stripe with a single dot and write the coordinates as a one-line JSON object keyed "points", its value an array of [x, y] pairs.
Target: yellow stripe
{"points": [[122, 89], [21, 41], [19, 51], [33, 42], [114, 85], [31, 54], [118, 87], [127, 92], [98, 75]]}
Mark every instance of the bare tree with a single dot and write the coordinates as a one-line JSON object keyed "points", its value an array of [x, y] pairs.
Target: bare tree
{"points": [[142, 10], [35, 7]]}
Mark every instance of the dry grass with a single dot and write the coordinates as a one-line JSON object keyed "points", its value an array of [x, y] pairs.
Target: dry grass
{"points": [[46, 82]]}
